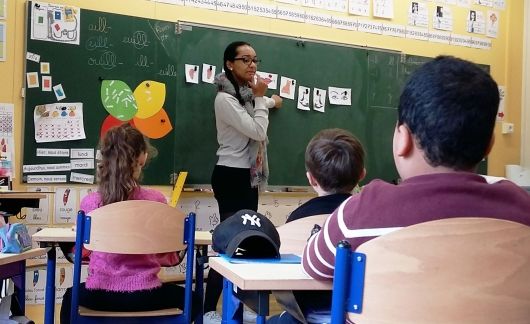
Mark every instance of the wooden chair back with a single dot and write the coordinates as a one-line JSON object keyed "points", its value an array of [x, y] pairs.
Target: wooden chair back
{"points": [[457, 270], [136, 227], [294, 235]]}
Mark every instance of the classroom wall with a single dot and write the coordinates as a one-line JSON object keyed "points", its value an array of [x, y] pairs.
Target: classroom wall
{"points": [[525, 138], [505, 56]]}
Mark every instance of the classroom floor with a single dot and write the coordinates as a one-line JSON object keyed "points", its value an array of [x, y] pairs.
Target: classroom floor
{"points": [[36, 312]]}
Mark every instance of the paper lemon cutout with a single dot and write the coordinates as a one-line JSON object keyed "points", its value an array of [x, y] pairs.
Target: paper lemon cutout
{"points": [[150, 96]]}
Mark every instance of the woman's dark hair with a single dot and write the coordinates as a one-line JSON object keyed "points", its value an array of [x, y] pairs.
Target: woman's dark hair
{"points": [[120, 148], [229, 55]]}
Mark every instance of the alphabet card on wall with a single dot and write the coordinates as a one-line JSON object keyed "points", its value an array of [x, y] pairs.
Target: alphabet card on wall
{"points": [[65, 205], [39, 215]]}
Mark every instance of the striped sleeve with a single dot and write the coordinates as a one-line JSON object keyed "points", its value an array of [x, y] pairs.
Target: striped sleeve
{"points": [[318, 259]]}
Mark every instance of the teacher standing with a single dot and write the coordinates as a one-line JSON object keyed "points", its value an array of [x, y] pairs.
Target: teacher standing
{"points": [[242, 119]]}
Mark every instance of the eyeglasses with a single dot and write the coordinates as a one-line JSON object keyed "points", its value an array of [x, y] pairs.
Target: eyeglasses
{"points": [[248, 60]]}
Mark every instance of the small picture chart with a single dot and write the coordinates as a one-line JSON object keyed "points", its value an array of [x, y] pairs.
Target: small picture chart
{"points": [[59, 122], [6, 121]]}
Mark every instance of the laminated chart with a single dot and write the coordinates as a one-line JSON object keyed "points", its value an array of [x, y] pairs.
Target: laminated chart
{"points": [[59, 122], [55, 23]]}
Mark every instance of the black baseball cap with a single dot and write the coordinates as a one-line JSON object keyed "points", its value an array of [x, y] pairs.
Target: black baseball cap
{"points": [[247, 234]]}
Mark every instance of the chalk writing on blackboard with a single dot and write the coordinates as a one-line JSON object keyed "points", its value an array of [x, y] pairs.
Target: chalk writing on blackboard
{"points": [[138, 39], [170, 70], [143, 61], [107, 60], [97, 42], [165, 33], [101, 26]]}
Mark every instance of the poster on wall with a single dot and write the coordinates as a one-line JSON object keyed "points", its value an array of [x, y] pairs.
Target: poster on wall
{"points": [[55, 23], [3, 9], [2, 41], [418, 14], [7, 140]]}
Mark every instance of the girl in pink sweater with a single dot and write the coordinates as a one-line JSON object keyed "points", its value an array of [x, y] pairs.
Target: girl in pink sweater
{"points": [[124, 282]]}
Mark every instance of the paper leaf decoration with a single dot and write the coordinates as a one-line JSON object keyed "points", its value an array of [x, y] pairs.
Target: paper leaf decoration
{"points": [[118, 99]]}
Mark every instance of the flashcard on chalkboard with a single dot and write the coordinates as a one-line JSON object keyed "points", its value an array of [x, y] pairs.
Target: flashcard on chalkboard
{"points": [[287, 87], [192, 73], [59, 122], [208, 73], [303, 98], [319, 99]]}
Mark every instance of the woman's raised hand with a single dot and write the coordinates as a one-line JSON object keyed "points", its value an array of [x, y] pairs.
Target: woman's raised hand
{"points": [[259, 87]]}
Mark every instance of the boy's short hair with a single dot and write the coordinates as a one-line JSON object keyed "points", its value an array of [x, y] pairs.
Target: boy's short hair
{"points": [[335, 158], [450, 106]]}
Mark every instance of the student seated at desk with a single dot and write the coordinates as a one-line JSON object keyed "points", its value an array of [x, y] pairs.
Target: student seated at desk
{"points": [[119, 282], [446, 119], [334, 160]]}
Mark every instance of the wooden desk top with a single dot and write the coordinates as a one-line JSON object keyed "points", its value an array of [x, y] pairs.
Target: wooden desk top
{"points": [[6, 258], [21, 195], [270, 276], [55, 234], [203, 238], [67, 234]]}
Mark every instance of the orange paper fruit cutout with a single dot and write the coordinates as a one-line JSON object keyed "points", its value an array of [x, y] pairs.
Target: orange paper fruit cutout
{"points": [[109, 122], [150, 97], [156, 126]]}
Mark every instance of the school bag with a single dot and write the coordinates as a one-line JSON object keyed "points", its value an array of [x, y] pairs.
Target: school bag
{"points": [[14, 238]]}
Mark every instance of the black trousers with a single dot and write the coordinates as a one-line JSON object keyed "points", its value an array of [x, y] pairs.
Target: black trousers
{"points": [[169, 295], [232, 190]]}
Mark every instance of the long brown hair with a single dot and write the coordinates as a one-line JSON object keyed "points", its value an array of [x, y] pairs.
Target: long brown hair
{"points": [[120, 148]]}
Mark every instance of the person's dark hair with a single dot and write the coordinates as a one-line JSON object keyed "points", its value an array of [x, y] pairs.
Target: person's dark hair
{"points": [[229, 55], [450, 106], [335, 158], [120, 148]]}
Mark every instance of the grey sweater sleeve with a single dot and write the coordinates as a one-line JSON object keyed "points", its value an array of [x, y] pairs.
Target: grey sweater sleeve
{"points": [[230, 111]]}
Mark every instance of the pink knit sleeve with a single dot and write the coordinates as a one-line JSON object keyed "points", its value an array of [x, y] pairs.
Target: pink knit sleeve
{"points": [[168, 259]]}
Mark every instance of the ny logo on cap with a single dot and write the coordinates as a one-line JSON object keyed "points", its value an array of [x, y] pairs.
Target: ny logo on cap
{"points": [[254, 220]]}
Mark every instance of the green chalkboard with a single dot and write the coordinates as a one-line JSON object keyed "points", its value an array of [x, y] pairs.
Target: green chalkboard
{"points": [[111, 47], [311, 64], [134, 50]]}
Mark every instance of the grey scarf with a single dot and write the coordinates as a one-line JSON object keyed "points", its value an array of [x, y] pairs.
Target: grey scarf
{"points": [[259, 165]]}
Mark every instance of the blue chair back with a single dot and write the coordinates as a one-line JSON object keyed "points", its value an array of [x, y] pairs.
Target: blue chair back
{"points": [[135, 227]]}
